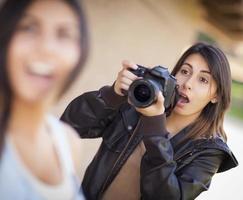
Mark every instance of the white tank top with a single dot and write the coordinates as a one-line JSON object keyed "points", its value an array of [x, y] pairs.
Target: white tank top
{"points": [[68, 188]]}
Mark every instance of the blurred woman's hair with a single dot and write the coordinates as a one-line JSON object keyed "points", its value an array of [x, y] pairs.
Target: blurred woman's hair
{"points": [[210, 121], [11, 12]]}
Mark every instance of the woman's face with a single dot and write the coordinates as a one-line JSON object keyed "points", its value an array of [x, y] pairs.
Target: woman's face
{"points": [[43, 50], [196, 86]]}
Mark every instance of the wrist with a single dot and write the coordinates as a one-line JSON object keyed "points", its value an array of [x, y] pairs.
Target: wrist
{"points": [[151, 111], [153, 125]]}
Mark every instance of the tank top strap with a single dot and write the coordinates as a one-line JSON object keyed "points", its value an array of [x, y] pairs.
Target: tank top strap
{"points": [[63, 149], [62, 144]]}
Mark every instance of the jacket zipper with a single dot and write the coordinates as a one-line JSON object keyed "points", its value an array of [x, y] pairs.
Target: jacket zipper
{"points": [[181, 156], [119, 158]]}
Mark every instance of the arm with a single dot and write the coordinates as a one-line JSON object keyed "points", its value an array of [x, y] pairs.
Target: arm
{"points": [[159, 179], [90, 113]]}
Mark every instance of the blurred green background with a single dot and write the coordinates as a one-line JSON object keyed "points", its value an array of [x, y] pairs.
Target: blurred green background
{"points": [[237, 100]]}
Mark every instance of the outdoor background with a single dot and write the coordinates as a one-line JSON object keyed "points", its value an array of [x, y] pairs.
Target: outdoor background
{"points": [[155, 32]]}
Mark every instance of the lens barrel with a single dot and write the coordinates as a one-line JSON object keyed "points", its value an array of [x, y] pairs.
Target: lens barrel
{"points": [[142, 93]]}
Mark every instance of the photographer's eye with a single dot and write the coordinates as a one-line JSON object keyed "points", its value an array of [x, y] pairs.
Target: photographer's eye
{"points": [[184, 71], [203, 80]]}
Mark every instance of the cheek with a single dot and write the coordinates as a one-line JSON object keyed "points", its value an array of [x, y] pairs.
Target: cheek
{"points": [[14, 63], [19, 51], [69, 58], [202, 98], [71, 54], [180, 79]]}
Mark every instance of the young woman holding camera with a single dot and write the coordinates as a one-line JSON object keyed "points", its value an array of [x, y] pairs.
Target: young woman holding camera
{"points": [[43, 45], [146, 155]]}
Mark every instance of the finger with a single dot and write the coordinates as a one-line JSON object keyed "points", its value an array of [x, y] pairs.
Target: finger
{"points": [[129, 74], [141, 110], [160, 97], [128, 64], [124, 86], [126, 81]]}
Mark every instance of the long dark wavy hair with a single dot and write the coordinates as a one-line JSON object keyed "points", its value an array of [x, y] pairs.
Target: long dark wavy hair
{"points": [[210, 121], [11, 12]]}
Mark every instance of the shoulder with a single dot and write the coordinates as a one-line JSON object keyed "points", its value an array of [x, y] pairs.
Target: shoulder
{"points": [[75, 145], [217, 146], [66, 129], [73, 138], [70, 132]]}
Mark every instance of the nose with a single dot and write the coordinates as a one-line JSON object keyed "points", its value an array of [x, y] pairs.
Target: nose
{"points": [[48, 45], [188, 83]]}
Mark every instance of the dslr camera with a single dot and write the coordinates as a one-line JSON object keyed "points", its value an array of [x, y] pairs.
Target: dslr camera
{"points": [[143, 92]]}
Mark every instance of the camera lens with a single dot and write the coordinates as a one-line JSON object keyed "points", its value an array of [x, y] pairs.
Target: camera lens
{"points": [[142, 93]]}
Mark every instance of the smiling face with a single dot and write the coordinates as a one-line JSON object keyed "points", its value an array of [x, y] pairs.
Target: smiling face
{"points": [[196, 86], [43, 50]]}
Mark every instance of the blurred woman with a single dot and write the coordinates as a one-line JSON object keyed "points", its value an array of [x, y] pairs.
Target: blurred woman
{"points": [[43, 45], [146, 155]]}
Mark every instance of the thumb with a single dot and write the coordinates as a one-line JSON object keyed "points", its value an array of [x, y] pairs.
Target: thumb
{"points": [[160, 97]]}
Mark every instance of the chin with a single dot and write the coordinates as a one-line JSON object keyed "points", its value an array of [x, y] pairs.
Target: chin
{"points": [[180, 111], [33, 98]]}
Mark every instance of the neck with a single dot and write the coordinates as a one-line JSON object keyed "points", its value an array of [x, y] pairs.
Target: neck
{"points": [[26, 119], [176, 122]]}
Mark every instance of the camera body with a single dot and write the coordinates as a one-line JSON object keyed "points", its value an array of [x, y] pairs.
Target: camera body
{"points": [[143, 92]]}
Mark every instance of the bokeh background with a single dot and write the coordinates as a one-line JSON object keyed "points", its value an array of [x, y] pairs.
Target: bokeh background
{"points": [[155, 32]]}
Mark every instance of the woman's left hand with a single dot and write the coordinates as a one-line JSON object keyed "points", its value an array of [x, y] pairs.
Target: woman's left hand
{"points": [[156, 108]]}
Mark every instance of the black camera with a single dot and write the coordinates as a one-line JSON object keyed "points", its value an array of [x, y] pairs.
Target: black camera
{"points": [[143, 92]]}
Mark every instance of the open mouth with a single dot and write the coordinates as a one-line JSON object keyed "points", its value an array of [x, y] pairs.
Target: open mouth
{"points": [[40, 70], [183, 98]]}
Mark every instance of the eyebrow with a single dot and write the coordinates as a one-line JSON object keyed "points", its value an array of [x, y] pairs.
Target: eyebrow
{"points": [[203, 71], [68, 25], [28, 15]]}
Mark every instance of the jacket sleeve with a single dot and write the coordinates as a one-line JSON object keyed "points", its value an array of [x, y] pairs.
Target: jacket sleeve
{"points": [[159, 179], [90, 113]]}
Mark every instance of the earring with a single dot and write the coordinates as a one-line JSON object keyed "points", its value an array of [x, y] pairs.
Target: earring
{"points": [[214, 100]]}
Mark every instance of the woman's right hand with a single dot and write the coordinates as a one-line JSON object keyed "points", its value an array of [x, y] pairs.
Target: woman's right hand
{"points": [[125, 77]]}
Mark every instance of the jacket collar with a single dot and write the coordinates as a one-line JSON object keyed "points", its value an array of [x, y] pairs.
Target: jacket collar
{"points": [[200, 144]]}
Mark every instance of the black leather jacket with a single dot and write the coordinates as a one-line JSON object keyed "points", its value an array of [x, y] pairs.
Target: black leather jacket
{"points": [[170, 170]]}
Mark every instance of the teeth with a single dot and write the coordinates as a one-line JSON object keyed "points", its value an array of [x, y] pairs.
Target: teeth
{"points": [[41, 69], [184, 96]]}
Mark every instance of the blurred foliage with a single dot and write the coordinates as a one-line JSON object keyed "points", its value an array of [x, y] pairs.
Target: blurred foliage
{"points": [[237, 100], [203, 37]]}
